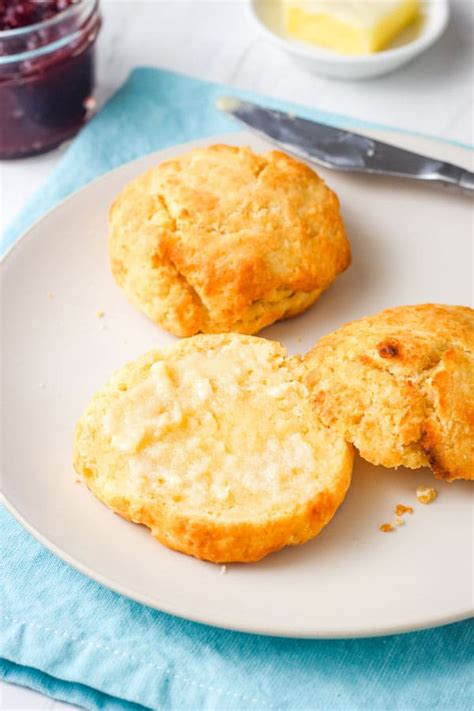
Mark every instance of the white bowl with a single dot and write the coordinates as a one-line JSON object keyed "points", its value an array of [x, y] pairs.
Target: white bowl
{"points": [[410, 43]]}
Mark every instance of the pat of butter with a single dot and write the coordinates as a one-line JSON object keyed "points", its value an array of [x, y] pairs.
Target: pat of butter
{"points": [[349, 26]]}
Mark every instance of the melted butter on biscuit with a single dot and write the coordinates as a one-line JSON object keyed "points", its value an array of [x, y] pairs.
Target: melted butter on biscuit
{"points": [[192, 423]]}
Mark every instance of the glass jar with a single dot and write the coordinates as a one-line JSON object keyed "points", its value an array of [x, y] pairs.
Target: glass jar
{"points": [[47, 80]]}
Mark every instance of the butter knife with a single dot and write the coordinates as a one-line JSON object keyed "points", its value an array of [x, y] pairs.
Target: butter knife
{"points": [[342, 149]]}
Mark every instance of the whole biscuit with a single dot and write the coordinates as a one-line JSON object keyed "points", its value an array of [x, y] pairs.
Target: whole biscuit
{"points": [[210, 444], [400, 386], [222, 239]]}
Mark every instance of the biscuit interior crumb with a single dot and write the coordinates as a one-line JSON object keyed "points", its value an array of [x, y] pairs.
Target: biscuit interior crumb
{"points": [[426, 494], [192, 422]]}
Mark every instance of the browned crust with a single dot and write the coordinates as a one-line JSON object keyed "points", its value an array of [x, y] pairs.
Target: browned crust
{"points": [[400, 386], [221, 239]]}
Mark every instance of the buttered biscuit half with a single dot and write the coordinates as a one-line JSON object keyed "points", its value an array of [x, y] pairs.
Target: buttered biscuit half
{"points": [[213, 444]]}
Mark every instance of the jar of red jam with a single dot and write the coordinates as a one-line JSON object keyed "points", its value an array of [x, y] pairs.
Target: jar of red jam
{"points": [[47, 50]]}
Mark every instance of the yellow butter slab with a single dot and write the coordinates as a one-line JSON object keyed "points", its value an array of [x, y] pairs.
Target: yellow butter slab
{"points": [[349, 26]]}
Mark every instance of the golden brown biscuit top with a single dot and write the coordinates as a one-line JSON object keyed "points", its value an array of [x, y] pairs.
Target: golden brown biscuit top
{"points": [[407, 338], [400, 385], [237, 225]]}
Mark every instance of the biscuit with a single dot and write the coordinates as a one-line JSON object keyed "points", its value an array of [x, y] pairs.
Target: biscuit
{"points": [[211, 444], [222, 239], [400, 387]]}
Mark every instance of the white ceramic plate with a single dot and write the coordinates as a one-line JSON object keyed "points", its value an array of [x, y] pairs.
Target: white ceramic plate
{"points": [[410, 244], [409, 44]]}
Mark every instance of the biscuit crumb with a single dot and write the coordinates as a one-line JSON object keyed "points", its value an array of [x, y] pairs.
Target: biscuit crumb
{"points": [[425, 494], [100, 314], [50, 295], [386, 528], [399, 521], [223, 570], [402, 509]]}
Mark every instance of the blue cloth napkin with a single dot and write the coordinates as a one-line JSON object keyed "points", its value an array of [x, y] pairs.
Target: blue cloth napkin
{"points": [[77, 641]]}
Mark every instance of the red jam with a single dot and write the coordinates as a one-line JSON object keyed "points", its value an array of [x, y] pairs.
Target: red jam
{"points": [[47, 53], [21, 13]]}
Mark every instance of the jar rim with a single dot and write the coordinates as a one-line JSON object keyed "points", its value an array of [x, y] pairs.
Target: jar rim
{"points": [[19, 31], [88, 8]]}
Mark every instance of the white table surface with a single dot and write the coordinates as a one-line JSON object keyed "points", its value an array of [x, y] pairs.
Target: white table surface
{"points": [[217, 40]]}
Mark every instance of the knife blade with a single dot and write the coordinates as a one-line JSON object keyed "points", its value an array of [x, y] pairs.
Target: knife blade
{"points": [[343, 149]]}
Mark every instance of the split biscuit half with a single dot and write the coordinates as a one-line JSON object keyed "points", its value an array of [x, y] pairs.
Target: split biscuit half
{"points": [[213, 444]]}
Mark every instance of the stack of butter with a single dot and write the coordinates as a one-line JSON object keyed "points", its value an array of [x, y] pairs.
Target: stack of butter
{"points": [[349, 26]]}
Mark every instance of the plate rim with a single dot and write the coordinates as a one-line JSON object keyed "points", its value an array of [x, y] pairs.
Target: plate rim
{"points": [[202, 617]]}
